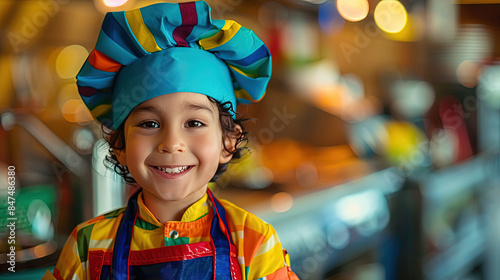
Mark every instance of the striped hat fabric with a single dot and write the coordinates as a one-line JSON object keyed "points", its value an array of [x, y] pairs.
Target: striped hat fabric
{"points": [[166, 48]]}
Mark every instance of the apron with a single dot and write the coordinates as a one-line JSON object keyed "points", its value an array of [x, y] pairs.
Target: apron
{"points": [[214, 259]]}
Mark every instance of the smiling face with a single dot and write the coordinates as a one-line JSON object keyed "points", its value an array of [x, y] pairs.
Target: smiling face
{"points": [[173, 146]]}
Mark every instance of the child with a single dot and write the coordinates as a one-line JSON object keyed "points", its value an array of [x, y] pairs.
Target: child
{"points": [[166, 79]]}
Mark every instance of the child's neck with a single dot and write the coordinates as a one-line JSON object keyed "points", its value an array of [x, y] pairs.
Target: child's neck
{"points": [[165, 211]]}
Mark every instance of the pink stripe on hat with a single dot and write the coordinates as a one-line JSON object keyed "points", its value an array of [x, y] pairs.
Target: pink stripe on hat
{"points": [[189, 20]]}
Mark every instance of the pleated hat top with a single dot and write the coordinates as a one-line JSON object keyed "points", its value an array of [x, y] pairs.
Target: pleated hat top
{"points": [[166, 48]]}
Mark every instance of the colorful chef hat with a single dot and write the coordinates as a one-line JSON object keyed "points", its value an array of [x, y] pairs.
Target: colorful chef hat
{"points": [[166, 48]]}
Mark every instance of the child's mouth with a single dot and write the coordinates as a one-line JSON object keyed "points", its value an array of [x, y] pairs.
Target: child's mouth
{"points": [[174, 170]]}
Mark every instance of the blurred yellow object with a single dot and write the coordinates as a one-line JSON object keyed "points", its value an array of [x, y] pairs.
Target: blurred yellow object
{"points": [[67, 92], [403, 142], [390, 16], [411, 32], [74, 110], [70, 60]]}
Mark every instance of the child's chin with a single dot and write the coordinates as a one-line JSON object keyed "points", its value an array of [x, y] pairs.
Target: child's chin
{"points": [[171, 197], [177, 196]]}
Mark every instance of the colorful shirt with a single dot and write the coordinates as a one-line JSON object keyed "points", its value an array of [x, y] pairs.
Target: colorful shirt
{"points": [[260, 254]]}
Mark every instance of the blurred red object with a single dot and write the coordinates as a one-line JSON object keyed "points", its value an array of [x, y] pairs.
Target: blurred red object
{"points": [[452, 117]]}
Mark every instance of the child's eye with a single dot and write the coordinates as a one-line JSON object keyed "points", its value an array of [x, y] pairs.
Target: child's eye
{"points": [[194, 124], [149, 124]]}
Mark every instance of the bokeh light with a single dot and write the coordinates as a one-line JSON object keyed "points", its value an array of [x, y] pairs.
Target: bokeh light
{"points": [[403, 143], [66, 92], [69, 61], [411, 98], [104, 6], [338, 235], [356, 208], [281, 202], [467, 73], [411, 32], [75, 111], [114, 3], [443, 147], [353, 10], [84, 140], [306, 174], [390, 16], [490, 86], [44, 249], [261, 178]]}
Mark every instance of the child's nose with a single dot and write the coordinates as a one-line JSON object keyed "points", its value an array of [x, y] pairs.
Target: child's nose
{"points": [[171, 143]]}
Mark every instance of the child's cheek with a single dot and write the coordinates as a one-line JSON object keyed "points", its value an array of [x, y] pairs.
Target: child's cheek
{"points": [[207, 147], [138, 148]]}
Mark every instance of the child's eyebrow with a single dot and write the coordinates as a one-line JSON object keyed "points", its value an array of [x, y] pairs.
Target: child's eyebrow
{"points": [[145, 109], [197, 106]]}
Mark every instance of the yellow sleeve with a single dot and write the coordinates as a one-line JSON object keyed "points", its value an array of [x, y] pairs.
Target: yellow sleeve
{"points": [[260, 253], [291, 274], [270, 260], [69, 265], [48, 276]]}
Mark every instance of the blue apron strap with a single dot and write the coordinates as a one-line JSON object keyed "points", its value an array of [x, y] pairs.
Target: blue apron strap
{"points": [[221, 238], [121, 248], [221, 215]]}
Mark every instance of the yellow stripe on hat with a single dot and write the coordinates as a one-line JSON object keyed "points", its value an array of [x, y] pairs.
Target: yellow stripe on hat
{"points": [[251, 75], [243, 94], [141, 31], [227, 32], [100, 110]]}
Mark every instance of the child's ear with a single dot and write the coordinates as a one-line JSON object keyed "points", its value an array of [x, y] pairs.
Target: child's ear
{"points": [[229, 143]]}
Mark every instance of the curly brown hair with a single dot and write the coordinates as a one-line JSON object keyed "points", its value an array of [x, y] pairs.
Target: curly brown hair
{"points": [[116, 140]]}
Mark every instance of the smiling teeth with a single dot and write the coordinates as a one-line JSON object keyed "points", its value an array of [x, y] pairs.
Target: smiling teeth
{"points": [[174, 170]]}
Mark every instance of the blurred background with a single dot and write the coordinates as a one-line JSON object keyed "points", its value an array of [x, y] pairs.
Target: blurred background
{"points": [[375, 153]]}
